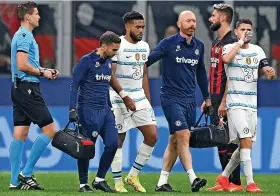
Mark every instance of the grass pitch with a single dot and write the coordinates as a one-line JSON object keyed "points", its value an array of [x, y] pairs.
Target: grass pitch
{"points": [[66, 184]]}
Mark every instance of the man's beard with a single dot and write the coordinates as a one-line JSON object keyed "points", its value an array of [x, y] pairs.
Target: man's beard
{"points": [[215, 27], [186, 32], [134, 37]]}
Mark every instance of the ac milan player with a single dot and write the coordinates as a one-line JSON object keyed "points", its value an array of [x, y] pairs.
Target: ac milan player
{"points": [[220, 21]]}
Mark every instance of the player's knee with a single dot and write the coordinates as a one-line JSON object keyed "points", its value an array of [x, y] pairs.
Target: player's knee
{"points": [[151, 139], [121, 139], [21, 133], [246, 143], [21, 137], [154, 138], [183, 136], [49, 130], [172, 142], [120, 143], [112, 147]]}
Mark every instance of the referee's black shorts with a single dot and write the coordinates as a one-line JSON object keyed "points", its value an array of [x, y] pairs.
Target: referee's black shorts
{"points": [[29, 105]]}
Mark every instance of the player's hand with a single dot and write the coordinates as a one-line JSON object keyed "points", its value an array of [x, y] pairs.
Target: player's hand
{"points": [[129, 103], [269, 71], [55, 73], [48, 74], [221, 122], [248, 36], [243, 36], [208, 107], [202, 107], [222, 110], [73, 117]]}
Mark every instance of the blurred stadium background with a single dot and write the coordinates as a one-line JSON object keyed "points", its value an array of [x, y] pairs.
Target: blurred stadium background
{"points": [[68, 30]]}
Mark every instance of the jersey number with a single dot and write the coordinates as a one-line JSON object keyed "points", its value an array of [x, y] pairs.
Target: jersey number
{"points": [[137, 74], [249, 76]]}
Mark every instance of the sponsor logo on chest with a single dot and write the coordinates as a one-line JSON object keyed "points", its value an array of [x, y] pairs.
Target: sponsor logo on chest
{"points": [[190, 61], [102, 77]]}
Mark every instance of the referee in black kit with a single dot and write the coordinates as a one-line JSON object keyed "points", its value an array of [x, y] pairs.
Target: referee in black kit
{"points": [[28, 103]]}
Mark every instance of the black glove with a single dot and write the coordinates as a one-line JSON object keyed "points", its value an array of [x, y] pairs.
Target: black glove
{"points": [[73, 117], [209, 110]]}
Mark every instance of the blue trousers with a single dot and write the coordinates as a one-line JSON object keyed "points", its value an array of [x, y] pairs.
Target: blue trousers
{"points": [[98, 122]]}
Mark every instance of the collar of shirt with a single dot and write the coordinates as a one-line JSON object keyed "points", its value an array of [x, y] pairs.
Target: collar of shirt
{"points": [[98, 58], [181, 39], [226, 36], [24, 28]]}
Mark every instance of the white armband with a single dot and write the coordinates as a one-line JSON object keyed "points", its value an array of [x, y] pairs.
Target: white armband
{"points": [[241, 42], [123, 94]]}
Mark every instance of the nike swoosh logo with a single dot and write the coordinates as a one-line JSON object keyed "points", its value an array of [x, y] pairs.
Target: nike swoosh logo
{"points": [[128, 56]]}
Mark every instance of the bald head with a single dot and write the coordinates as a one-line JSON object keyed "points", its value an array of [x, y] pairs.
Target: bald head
{"points": [[187, 22], [184, 15]]}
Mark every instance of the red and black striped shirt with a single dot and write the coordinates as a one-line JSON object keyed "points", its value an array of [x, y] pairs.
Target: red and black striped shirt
{"points": [[217, 74]]}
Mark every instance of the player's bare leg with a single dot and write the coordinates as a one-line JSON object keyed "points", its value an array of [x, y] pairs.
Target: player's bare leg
{"points": [[169, 159], [183, 139], [144, 152], [117, 165]]}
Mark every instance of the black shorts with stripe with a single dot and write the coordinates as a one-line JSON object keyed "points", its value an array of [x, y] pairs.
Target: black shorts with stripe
{"points": [[29, 105]]}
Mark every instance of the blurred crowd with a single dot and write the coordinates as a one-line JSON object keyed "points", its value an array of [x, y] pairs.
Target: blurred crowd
{"points": [[90, 19]]}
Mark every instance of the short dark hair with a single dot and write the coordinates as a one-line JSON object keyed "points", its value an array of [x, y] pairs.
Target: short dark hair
{"points": [[109, 37], [25, 8], [133, 15], [243, 21], [225, 9]]}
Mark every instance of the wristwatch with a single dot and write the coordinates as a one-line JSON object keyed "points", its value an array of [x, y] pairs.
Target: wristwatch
{"points": [[42, 71]]}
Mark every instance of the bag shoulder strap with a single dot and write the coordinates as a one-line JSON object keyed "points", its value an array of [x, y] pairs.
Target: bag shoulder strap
{"points": [[199, 119], [76, 125]]}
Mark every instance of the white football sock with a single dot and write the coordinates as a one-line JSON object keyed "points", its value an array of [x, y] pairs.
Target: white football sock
{"points": [[163, 179], [99, 179], [191, 175], [232, 164], [245, 157], [144, 153], [82, 185], [117, 167]]}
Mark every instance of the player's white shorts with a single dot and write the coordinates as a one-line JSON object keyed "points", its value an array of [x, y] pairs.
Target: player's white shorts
{"points": [[127, 120], [242, 123]]}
